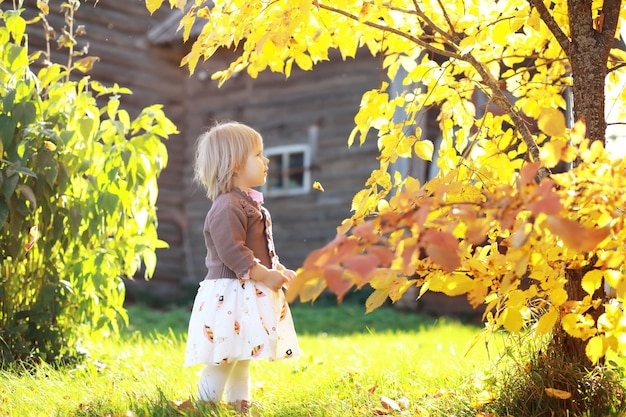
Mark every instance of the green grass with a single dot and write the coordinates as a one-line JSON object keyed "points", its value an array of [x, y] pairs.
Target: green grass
{"points": [[349, 360]]}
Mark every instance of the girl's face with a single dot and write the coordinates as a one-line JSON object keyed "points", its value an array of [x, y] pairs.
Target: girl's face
{"points": [[254, 170]]}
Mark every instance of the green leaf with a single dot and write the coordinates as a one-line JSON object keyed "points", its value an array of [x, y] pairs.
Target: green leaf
{"points": [[15, 56], [7, 130], [8, 100], [25, 113], [149, 260], [9, 185], [4, 213], [29, 194], [110, 202], [16, 24], [86, 127]]}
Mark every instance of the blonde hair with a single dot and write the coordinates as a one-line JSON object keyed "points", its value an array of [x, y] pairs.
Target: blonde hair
{"points": [[220, 152]]}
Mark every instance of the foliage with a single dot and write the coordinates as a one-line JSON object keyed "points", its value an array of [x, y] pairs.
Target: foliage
{"points": [[496, 224], [77, 202]]}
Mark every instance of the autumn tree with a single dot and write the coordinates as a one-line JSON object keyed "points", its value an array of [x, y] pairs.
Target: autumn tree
{"points": [[526, 216]]}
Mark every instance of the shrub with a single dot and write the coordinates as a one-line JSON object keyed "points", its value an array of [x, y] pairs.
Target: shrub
{"points": [[78, 187]]}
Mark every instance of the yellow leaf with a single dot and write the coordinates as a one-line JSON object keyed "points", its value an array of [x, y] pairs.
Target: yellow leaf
{"points": [[558, 296], [595, 348], [592, 281], [318, 186], [557, 393], [552, 122], [512, 319], [43, 7], [483, 398], [86, 64], [304, 61], [153, 5], [546, 322], [49, 145], [375, 300], [550, 153], [578, 132], [424, 149], [500, 31]]}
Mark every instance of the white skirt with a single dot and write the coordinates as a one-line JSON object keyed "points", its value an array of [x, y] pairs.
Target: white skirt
{"points": [[235, 319]]}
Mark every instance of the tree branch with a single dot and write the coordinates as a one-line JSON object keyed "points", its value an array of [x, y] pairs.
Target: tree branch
{"points": [[611, 11], [554, 27], [389, 29], [497, 96]]}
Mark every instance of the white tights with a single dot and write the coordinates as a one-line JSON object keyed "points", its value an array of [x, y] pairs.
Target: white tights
{"points": [[228, 380]]}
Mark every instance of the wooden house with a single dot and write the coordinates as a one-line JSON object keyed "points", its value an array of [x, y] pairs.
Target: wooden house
{"points": [[305, 121]]}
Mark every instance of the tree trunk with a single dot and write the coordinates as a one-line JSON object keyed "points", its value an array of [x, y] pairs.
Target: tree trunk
{"points": [[591, 39], [562, 344]]}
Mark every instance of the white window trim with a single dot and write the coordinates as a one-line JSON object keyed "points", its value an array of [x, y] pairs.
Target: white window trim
{"points": [[285, 150]]}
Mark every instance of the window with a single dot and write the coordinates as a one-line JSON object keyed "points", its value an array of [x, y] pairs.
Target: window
{"points": [[288, 171]]}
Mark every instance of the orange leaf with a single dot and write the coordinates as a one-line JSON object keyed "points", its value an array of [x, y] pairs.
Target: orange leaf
{"points": [[333, 275], [448, 260], [576, 236], [442, 248], [389, 404], [549, 202], [384, 254], [183, 405], [528, 173], [362, 265]]}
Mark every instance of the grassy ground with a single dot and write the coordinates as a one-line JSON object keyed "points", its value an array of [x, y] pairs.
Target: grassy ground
{"points": [[350, 364]]}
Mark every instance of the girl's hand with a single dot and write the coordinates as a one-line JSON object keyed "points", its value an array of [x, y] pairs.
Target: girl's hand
{"points": [[290, 275], [272, 278], [275, 279]]}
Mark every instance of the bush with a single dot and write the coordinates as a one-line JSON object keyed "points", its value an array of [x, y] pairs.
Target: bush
{"points": [[77, 198]]}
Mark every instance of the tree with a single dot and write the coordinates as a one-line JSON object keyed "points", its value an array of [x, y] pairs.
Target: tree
{"points": [[502, 223], [78, 193]]}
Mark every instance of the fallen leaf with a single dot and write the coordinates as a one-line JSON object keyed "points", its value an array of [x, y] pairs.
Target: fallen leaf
{"points": [[389, 404], [557, 393], [182, 405], [318, 186]]}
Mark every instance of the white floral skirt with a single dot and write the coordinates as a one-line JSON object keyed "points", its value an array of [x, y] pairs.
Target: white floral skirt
{"points": [[236, 319]]}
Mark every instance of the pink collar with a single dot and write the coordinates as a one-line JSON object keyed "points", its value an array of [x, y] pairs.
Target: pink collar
{"points": [[257, 196]]}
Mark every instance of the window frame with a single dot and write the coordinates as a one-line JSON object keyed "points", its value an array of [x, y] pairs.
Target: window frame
{"points": [[285, 151]]}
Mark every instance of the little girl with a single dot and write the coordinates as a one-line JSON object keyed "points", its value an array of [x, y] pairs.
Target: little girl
{"points": [[240, 312]]}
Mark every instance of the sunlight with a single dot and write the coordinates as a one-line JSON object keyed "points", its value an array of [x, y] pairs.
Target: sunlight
{"points": [[614, 109]]}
